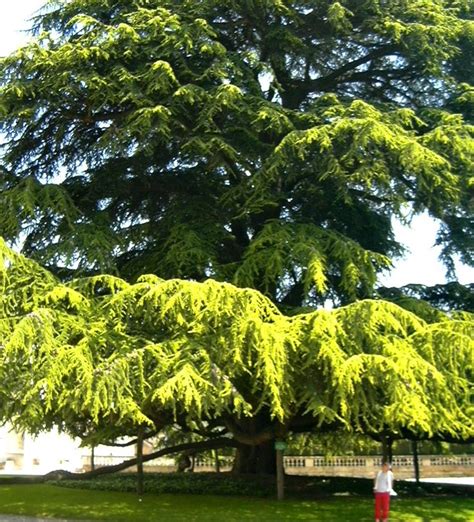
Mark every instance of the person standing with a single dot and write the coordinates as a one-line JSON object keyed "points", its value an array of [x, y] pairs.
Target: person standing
{"points": [[383, 487]]}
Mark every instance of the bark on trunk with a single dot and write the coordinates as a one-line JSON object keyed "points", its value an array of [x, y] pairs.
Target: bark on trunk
{"points": [[256, 460]]}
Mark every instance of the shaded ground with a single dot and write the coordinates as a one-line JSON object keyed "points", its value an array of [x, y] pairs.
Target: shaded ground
{"points": [[462, 481], [319, 487], [47, 501], [296, 487]]}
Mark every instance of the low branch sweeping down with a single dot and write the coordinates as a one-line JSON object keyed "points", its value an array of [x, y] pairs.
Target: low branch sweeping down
{"points": [[221, 442]]}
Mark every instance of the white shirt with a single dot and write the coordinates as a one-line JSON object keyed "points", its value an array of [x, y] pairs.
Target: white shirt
{"points": [[384, 482]]}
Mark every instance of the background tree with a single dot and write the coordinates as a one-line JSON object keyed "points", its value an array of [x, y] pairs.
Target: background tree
{"points": [[449, 297]]}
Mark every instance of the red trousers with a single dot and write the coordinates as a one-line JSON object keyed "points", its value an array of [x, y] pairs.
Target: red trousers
{"points": [[382, 505]]}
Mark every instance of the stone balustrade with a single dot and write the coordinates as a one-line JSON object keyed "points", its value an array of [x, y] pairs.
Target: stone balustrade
{"points": [[365, 466], [357, 466]]}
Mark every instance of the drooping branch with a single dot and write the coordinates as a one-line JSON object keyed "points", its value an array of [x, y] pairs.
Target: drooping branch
{"points": [[221, 442]]}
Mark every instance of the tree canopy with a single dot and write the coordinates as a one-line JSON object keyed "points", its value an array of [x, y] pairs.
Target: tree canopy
{"points": [[101, 358], [448, 297], [266, 143]]}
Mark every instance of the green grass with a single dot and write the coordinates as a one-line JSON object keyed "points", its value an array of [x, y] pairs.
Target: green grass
{"points": [[296, 487], [53, 501]]}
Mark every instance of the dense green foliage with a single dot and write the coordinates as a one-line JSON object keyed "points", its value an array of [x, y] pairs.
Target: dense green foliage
{"points": [[344, 443], [448, 297], [182, 483], [266, 143], [100, 357]]}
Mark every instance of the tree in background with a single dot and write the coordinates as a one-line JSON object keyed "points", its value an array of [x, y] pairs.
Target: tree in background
{"points": [[448, 297]]}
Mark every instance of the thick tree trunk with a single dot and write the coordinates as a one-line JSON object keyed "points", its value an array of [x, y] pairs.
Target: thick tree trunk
{"points": [[258, 460]]}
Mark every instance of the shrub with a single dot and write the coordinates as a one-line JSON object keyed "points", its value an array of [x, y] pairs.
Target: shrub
{"points": [[186, 483]]}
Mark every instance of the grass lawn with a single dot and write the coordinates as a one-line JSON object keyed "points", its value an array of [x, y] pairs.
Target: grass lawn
{"points": [[53, 501]]}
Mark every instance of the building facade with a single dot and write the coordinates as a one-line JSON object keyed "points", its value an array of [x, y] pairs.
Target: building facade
{"points": [[50, 451]]}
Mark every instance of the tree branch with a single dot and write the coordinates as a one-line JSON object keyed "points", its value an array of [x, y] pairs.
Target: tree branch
{"points": [[221, 442], [332, 78]]}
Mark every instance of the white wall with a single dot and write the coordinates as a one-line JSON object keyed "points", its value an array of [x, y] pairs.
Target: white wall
{"points": [[50, 451]]}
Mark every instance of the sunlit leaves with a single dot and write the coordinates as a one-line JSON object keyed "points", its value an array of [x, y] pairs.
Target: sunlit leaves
{"points": [[99, 351]]}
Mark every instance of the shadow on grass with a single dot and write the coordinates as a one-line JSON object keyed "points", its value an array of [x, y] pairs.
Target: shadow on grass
{"points": [[52, 501], [433, 510]]}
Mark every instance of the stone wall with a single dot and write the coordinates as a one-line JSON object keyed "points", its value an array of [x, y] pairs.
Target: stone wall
{"points": [[366, 466], [363, 467]]}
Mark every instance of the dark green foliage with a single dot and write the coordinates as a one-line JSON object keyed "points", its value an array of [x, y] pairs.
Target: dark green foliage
{"points": [[449, 297], [264, 143], [184, 483]]}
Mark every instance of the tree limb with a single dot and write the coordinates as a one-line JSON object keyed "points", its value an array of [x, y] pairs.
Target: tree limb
{"points": [[221, 442]]}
